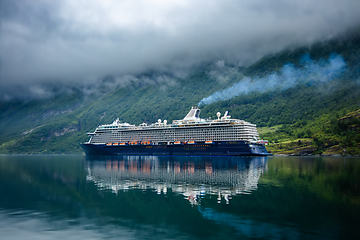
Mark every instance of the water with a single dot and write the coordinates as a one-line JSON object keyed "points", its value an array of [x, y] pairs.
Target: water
{"points": [[132, 197]]}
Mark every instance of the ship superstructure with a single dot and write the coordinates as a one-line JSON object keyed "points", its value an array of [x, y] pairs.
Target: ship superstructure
{"points": [[192, 130]]}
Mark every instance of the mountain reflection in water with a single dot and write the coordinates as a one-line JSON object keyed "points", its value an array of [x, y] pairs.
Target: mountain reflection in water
{"points": [[149, 197], [193, 177]]}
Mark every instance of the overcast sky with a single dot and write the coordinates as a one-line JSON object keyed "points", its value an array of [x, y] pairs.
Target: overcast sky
{"points": [[85, 40]]}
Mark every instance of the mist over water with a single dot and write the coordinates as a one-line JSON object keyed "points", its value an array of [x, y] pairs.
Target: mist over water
{"points": [[289, 76]]}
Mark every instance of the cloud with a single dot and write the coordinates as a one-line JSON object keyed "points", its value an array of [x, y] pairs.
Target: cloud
{"points": [[82, 41]]}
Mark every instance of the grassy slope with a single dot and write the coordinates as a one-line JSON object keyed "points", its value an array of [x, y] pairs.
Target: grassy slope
{"points": [[330, 134]]}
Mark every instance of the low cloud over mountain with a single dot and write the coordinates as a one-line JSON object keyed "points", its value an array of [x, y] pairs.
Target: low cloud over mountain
{"points": [[48, 42]]}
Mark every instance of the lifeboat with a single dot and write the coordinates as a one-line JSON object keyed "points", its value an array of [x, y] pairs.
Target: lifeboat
{"points": [[109, 144], [177, 143], [209, 142], [115, 144], [122, 144], [191, 142]]}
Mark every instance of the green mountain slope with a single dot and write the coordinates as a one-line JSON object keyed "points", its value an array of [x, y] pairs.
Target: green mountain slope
{"points": [[59, 124]]}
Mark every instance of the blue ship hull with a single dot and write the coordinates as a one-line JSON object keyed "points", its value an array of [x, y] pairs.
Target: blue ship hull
{"points": [[224, 148]]}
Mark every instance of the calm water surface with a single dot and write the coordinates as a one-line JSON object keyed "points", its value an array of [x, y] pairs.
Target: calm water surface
{"points": [[133, 197]]}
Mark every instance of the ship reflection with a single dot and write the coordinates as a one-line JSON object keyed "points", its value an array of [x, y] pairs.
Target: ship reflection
{"points": [[192, 177]]}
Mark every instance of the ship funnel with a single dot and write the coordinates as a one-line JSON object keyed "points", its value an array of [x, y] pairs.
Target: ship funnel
{"points": [[193, 114]]}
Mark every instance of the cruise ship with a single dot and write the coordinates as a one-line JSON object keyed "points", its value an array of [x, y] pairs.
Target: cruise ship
{"points": [[192, 135]]}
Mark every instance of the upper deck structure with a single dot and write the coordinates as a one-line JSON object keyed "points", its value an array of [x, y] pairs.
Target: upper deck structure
{"points": [[191, 128]]}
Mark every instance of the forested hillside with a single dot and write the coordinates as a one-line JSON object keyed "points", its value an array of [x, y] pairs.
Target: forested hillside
{"points": [[317, 112]]}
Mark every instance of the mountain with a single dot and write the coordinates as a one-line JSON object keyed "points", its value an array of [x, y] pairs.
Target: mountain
{"points": [[306, 100]]}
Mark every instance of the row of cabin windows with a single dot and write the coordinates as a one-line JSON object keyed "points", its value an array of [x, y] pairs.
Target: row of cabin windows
{"points": [[190, 131], [237, 132]]}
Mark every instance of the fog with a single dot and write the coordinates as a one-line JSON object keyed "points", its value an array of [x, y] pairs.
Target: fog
{"points": [[64, 42]]}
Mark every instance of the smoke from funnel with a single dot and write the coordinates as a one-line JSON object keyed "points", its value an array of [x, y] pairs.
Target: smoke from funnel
{"points": [[287, 77]]}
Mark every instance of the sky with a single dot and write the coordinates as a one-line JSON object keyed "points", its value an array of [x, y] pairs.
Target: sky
{"points": [[82, 41]]}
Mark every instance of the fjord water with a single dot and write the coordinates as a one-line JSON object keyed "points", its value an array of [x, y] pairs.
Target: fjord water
{"points": [[139, 197]]}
